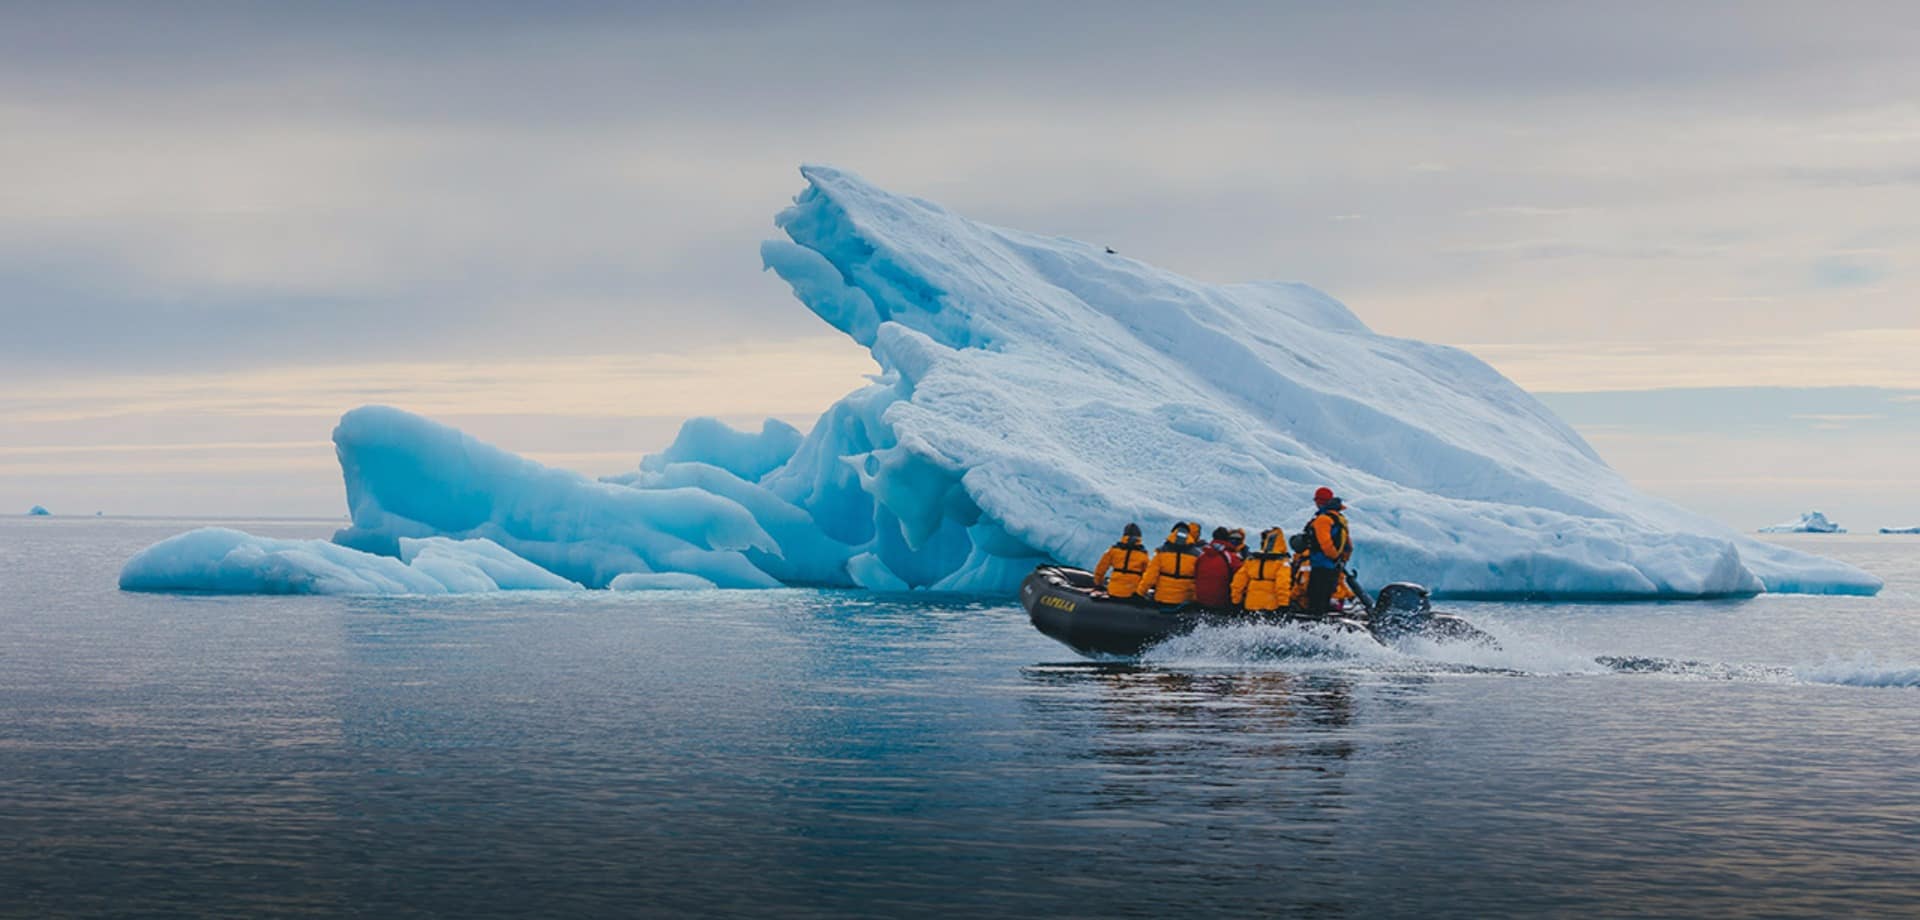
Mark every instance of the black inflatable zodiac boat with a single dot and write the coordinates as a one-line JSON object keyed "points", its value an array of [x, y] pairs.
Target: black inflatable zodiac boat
{"points": [[1065, 605]]}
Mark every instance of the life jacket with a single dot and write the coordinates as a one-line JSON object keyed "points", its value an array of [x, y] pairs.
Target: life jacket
{"points": [[1264, 582], [1336, 548], [1128, 560], [1129, 551], [1170, 574]]}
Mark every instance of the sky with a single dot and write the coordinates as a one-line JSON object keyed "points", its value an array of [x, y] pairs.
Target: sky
{"points": [[222, 225]]}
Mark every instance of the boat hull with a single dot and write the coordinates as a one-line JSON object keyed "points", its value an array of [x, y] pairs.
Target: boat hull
{"points": [[1063, 604]]}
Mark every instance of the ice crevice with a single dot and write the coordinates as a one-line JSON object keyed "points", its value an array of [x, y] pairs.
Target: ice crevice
{"points": [[1034, 395]]}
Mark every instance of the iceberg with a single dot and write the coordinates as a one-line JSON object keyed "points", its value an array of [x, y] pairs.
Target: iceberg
{"points": [[1037, 393], [747, 456], [223, 561], [659, 581], [1811, 522], [1914, 529], [38, 511], [408, 477]]}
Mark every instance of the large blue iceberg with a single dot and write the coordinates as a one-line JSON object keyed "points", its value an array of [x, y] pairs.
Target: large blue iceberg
{"points": [[1037, 393]]}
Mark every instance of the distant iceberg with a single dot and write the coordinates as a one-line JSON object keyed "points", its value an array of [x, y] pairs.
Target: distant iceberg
{"points": [[659, 581], [1811, 522], [1038, 393], [37, 511], [1914, 529]]}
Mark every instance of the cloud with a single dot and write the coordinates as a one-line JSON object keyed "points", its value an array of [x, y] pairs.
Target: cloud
{"points": [[1551, 249], [173, 443], [222, 224], [1522, 210], [1875, 176], [1842, 272], [799, 377], [1751, 479], [1836, 417], [227, 187], [1856, 358]]}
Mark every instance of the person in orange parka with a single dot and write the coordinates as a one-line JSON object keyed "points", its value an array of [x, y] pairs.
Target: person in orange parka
{"points": [[1170, 575], [1128, 560], [1329, 546], [1265, 580]]}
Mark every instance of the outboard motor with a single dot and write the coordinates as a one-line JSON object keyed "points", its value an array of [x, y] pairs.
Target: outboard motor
{"points": [[1402, 608], [1406, 596]]}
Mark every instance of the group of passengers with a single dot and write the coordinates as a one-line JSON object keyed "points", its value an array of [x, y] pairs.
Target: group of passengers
{"points": [[1222, 574]]}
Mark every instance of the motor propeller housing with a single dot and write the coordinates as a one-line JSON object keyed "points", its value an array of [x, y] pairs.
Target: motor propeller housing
{"points": [[1404, 598]]}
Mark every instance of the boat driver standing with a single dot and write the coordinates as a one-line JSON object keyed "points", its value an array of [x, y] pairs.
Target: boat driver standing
{"points": [[1328, 548]]}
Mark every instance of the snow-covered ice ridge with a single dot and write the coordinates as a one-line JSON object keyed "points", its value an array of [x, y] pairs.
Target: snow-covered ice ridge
{"points": [[1036, 394], [220, 559], [1810, 522]]}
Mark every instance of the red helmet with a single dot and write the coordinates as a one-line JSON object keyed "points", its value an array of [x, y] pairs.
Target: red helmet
{"points": [[1322, 495]]}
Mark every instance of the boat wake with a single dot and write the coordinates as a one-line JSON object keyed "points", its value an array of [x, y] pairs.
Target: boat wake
{"points": [[1307, 647], [1298, 645], [1252, 643], [1861, 671]]}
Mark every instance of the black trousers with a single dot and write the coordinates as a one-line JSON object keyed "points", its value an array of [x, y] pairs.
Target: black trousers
{"points": [[1321, 580]]}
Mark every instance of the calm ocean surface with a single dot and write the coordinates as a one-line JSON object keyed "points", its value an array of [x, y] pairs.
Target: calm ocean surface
{"points": [[805, 753]]}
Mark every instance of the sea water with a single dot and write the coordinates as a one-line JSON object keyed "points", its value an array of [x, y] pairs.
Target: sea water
{"points": [[809, 753]]}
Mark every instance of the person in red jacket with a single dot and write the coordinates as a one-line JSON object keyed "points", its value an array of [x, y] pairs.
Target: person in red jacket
{"points": [[1213, 573]]}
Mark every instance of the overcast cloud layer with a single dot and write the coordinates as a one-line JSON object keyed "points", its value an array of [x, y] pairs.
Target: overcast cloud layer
{"points": [[1593, 196], [246, 184]]}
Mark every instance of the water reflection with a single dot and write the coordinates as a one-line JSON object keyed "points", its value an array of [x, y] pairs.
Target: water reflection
{"points": [[825, 754], [1240, 752], [1132, 697]]}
